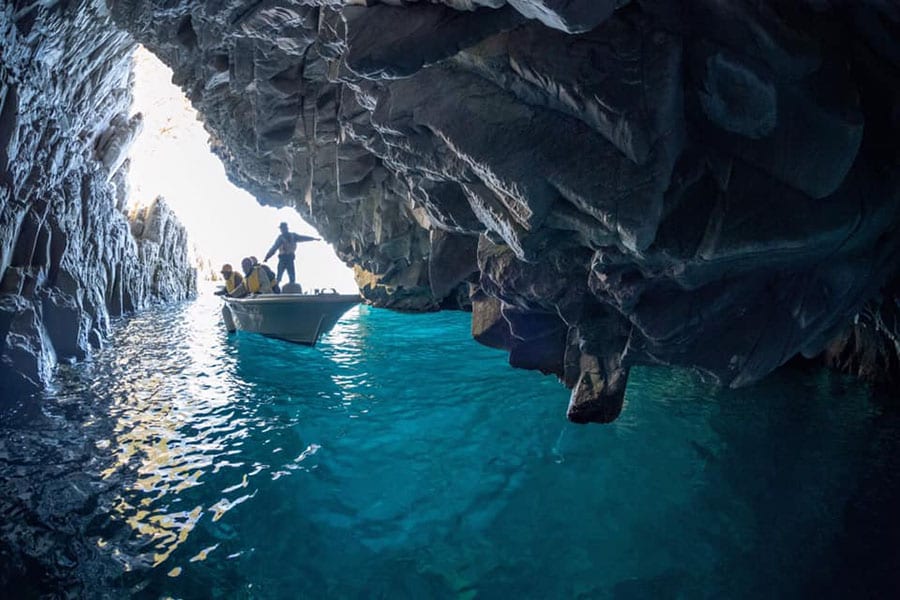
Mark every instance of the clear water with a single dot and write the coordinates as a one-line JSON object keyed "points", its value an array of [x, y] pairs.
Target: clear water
{"points": [[399, 459]]}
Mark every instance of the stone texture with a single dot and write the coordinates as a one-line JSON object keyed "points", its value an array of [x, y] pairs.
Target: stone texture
{"points": [[870, 347], [67, 258], [696, 183]]}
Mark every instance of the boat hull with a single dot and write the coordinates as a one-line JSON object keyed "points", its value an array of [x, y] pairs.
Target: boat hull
{"points": [[296, 318]]}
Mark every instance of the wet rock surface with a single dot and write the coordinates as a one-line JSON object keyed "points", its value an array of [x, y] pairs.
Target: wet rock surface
{"points": [[704, 184], [870, 347], [605, 184], [68, 259]]}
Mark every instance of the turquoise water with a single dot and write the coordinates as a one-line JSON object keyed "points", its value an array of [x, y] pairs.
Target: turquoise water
{"points": [[399, 459]]}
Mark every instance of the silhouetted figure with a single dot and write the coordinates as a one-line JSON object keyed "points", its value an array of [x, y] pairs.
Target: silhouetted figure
{"points": [[286, 246]]}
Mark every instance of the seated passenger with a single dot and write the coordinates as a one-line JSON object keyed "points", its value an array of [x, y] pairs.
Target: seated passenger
{"points": [[255, 279], [232, 279], [269, 272]]}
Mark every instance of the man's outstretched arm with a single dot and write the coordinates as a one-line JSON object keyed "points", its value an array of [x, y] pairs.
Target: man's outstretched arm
{"points": [[305, 238]]}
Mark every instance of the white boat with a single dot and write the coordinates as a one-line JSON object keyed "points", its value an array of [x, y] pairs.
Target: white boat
{"points": [[298, 318]]}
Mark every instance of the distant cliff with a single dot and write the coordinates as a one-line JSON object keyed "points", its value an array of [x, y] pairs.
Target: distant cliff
{"points": [[68, 259]]}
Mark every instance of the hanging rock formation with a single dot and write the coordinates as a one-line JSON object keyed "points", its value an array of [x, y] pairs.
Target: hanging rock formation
{"points": [[68, 259], [610, 183]]}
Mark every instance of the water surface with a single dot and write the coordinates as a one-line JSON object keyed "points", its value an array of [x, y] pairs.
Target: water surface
{"points": [[399, 459]]}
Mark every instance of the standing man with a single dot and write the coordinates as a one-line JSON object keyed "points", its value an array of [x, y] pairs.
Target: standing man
{"points": [[286, 246]]}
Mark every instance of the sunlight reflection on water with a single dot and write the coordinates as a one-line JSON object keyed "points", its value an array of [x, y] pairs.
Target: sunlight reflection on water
{"points": [[400, 459]]}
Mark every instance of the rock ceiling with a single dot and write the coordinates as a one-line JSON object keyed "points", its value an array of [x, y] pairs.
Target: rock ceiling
{"points": [[606, 183]]}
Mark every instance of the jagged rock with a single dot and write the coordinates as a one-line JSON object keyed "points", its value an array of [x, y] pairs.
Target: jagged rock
{"points": [[452, 262], [870, 347], [67, 258], [389, 42], [568, 15], [113, 144], [599, 393], [623, 79], [67, 323], [162, 252], [28, 356], [696, 183], [489, 327]]}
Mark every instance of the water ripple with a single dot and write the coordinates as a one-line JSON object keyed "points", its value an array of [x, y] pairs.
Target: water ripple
{"points": [[400, 459]]}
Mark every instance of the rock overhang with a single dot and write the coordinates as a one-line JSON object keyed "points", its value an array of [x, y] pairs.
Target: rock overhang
{"points": [[605, 184]]}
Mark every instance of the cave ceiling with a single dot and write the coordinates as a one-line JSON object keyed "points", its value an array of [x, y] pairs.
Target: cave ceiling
{"points": [[605, 183]]}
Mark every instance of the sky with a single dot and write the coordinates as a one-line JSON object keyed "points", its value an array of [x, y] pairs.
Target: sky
{"points": [[171, 158]]}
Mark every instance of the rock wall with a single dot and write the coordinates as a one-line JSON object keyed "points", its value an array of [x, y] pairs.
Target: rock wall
{"points": [[870, 347], [610, 183], [697, 183], [68, 259], [605, 183]]}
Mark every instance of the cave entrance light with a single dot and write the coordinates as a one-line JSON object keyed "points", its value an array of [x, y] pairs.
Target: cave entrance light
{"points": [[171, 158]]}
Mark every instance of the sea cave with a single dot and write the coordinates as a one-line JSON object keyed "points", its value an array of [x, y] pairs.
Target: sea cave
{"points": [[693, 190]]}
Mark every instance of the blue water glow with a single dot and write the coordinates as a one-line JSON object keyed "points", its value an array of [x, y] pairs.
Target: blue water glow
{"points": [[400, 459]]}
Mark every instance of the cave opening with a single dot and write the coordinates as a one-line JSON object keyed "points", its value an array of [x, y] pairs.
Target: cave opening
{"points": [[171, 158]]}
